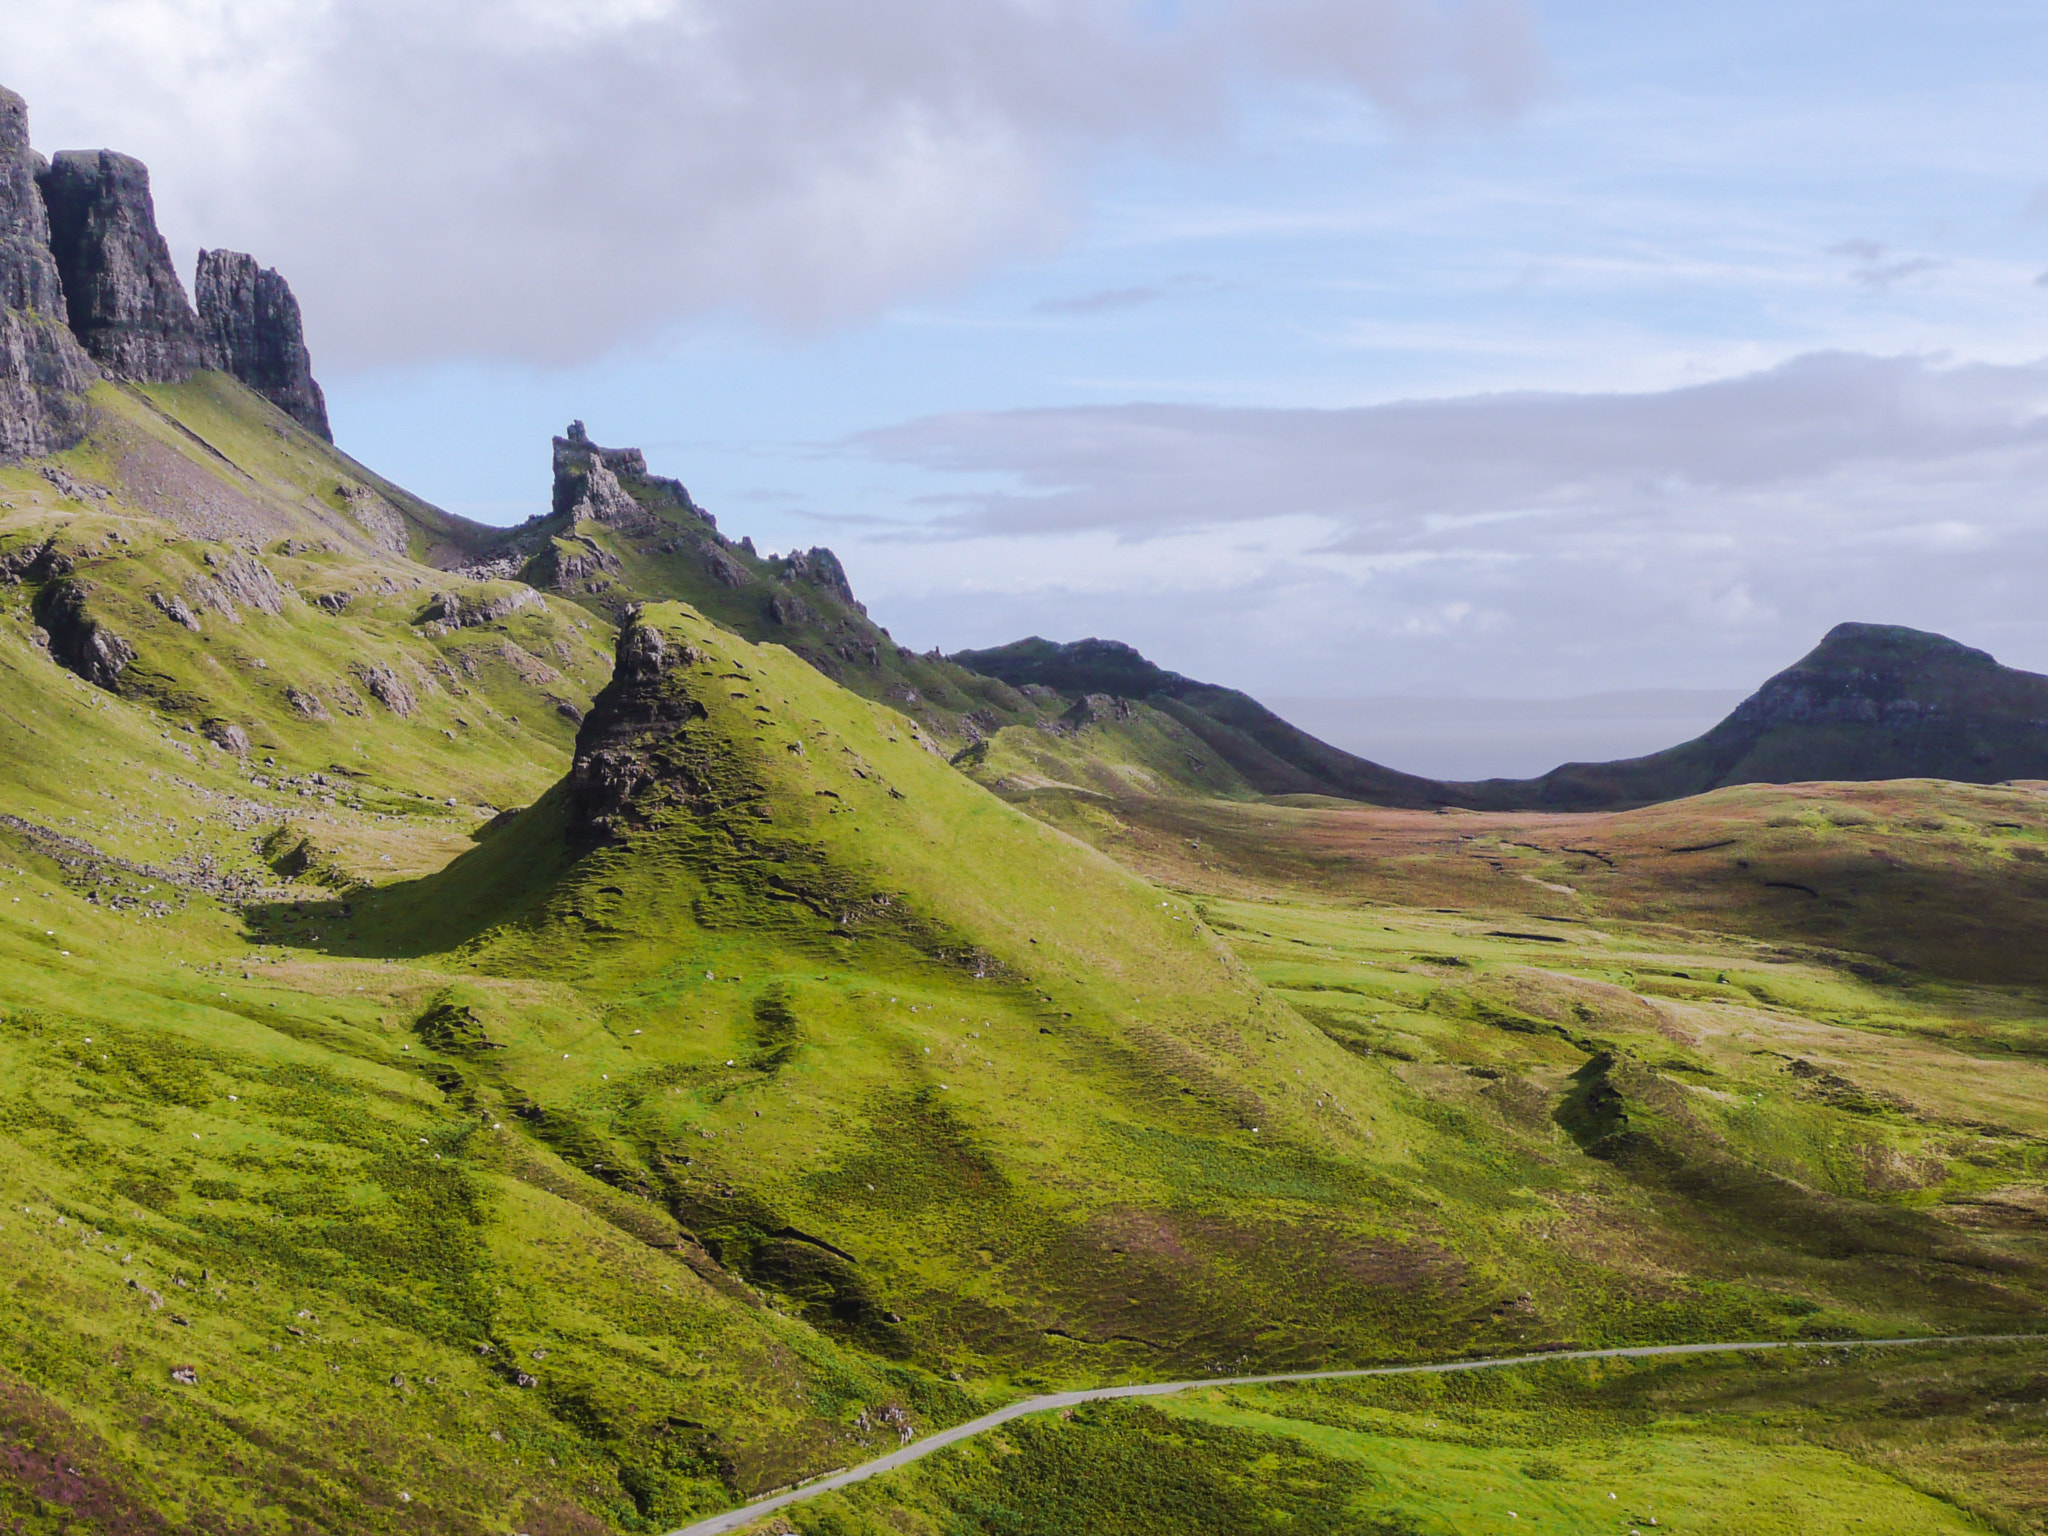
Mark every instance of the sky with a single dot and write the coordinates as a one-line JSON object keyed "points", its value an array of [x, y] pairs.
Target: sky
{"points": [[1466, 351]]}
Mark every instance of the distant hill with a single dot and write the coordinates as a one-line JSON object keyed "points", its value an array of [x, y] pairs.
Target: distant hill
{"points": [[1273, 757], [1871, 701]]}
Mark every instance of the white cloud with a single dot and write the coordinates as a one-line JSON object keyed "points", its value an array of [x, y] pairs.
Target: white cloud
{"points": [[543, 179], [1521, 544]]}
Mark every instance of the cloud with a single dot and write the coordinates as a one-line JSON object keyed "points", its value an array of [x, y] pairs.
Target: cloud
{"points": [[1102, 302], [1873, 271], [541, 179], [1523, 543]]}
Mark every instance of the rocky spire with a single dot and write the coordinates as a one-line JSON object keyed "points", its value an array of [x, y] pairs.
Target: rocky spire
{"points": [[43, 373], [252, 327], [122, 293], [28, 272]]}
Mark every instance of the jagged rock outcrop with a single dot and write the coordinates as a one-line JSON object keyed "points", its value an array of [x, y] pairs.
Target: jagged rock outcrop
{"points": [[175, 608], [378, 519], [788, 610], [121, 291], [566, 561], [643, 705], [387, 688], [253, 330], [227, 735], [821, 568], [43, 372], [587, 484], [576, 457], [1091, 709], [35, 563], [459, 612], [78, 640], [236, 582]]}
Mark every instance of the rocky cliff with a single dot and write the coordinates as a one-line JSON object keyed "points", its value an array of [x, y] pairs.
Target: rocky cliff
{"points": [[43, 372], [253, 330], [121, 291]]}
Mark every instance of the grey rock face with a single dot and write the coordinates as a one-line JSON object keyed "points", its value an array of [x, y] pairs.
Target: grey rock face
{"points": [[43, 372], [228, 736], [253, 329], [43, 379], [28, 271], [78, 640], [387, 688], [237, 581], [601, 483], [121, 291]]}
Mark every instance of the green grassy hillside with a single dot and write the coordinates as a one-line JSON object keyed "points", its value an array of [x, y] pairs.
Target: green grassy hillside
{"points": [[467, 1067], [1268, 754], [1841, 1442], [618, 534]]}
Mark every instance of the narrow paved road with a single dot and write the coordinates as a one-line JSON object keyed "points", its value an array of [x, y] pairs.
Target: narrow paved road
{"points": [[733, 1519]]}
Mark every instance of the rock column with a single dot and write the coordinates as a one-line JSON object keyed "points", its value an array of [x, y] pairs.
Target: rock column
{"points": [[253, 330], [43, 374], [120, 288]]}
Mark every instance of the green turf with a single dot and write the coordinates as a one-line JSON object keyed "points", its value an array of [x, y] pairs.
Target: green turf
{"points": [[819, 1093]]}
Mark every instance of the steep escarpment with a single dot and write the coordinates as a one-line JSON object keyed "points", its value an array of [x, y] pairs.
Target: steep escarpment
{"points": [[254, 331], [43, 372], [86, 278], [121, 289]]}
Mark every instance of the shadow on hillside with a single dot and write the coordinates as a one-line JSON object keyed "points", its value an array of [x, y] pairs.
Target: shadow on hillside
{"points": [[505, 879]]}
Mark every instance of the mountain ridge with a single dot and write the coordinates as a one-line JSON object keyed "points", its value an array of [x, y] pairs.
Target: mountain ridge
{"points": [[1870, 701]]}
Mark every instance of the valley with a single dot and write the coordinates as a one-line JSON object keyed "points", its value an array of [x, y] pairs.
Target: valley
{"points": [[570, 1028]]}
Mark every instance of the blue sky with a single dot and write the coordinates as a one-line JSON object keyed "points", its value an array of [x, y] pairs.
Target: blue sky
{"points": [[1392, 347]]}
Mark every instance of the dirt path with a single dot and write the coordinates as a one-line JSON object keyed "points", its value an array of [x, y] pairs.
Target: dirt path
{"points": [[733, 1519]]}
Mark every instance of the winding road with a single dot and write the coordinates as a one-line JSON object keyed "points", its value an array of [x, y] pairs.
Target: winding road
{"points": [[733, 1519]]}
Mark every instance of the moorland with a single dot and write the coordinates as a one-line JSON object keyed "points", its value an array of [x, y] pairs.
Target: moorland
{"points": [[569, 1028]]}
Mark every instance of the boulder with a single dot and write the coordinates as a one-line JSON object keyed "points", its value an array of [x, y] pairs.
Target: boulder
{"points": [[387, 688], [253, 330], [175, 608], [121, 291], [228, 736]]}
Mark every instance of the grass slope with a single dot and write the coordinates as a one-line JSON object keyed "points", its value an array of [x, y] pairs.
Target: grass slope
{"points": [[618, 534], [767, 1089], [1843, 1442]]}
